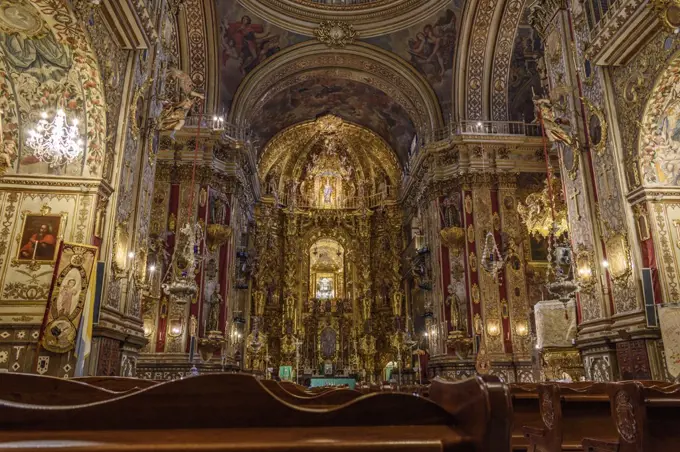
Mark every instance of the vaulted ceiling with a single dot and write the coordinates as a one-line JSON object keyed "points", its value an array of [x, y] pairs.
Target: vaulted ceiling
{"points": [[412, 66]]}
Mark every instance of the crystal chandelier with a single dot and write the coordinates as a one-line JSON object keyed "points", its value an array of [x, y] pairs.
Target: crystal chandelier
{"points": [[56, 142]]}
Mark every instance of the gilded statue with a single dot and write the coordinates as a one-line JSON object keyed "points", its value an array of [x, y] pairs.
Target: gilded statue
{"points": [[397, 298], [258, 297], [366, 307], [290, 307], [213, 323]]}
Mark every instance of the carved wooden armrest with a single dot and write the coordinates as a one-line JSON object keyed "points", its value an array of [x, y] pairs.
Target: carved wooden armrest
{"points": [[600, 445]]}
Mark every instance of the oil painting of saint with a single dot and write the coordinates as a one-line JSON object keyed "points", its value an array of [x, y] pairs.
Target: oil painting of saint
{"points": [[39, 238], [247, 42]]}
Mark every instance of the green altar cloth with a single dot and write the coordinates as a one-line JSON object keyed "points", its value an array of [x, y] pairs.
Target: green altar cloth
{"points": [[324, 381]]}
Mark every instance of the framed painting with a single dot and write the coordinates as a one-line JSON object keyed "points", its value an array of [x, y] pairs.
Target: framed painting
{"points": [[39, 237]]}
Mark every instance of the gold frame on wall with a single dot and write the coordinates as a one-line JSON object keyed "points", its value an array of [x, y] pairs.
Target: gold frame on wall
{"points": [[45, 212], [600, 147], [618, 257]]}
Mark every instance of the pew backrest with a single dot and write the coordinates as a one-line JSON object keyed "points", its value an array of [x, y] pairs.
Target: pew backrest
{"points": [[44, 390]]}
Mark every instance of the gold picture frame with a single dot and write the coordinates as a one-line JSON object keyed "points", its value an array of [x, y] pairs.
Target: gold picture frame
{"points": [[597, 128], [618, 257], [45, 227]]}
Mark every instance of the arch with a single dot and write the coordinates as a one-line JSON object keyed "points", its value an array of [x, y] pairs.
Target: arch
{"points": [[361, 62], [659, 137]]}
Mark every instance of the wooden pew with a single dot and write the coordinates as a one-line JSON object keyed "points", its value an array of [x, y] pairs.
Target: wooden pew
{"points": [[569, 413], [486, 414], [44, 390], [647, 419], [525, 412], [236, 413], [117, 383], [324, 399]]}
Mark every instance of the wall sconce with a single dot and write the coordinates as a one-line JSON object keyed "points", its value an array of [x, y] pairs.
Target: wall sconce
{"points": [[176, 327], [522, 329], [493, 328]]}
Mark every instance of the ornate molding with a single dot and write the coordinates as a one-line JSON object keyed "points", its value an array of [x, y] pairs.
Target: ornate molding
{"points": [[334, 33], [369, 19]]}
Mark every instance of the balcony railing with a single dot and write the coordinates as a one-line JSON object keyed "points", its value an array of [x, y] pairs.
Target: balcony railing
{"points": [[218, 124], [518, 128]]}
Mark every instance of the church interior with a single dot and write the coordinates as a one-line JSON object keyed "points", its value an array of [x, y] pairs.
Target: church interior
{"points": [[329, 214]]}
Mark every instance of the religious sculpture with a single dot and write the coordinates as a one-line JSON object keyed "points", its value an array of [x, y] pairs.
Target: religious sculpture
{"points": [[397, 298], [458, 323], [366, 308], [174, 114], [214, 312], [259, 299], [554, 127], [290, 307]]}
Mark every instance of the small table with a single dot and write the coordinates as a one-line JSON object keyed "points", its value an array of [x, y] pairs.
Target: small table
{"points": [[332, 381]]}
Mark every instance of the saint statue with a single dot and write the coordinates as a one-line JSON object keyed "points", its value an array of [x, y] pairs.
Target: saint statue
{"points": [[259, 302], [397, 297], [458, 323], [554, 127], [290, 307], [213, 323], [366, 305], [327, 192]]}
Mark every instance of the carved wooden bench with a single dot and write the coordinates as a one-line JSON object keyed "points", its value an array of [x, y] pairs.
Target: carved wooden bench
{"points": [[646, 416], [570, 413], [44, 390], [117, 383], [236, 413]]}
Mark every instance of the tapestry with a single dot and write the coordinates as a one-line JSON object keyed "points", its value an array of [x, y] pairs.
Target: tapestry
{"points": [[669, 322], [68, 293]]}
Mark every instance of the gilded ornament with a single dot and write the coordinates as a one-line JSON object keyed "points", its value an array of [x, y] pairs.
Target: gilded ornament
{"points": [[597, 127], [537, 211], [217, 235], [618, 257], [496, 221], [625, 416], [468, 204], [17, 18], [668, 12], [472, 260], [453, 238], [475, 294], [334, 33], [471, 233]]}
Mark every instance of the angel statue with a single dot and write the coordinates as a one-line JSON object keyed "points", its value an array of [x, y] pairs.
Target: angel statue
{"points": [[8, 151], [554, 127], [173, 116]]}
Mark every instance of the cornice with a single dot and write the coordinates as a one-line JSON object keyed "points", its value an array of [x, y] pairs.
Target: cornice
{"points": [[627, 26], [130, 22], [369, 19]]}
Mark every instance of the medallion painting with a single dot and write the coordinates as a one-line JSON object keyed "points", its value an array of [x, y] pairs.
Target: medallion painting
{"points": [[350, 100], [72, 279], [245, 42]]}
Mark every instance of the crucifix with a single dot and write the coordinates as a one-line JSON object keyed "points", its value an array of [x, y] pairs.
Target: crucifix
{"points": [[574, 197], [604, 175]]}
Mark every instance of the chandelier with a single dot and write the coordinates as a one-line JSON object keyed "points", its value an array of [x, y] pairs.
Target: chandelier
{"points": [[56, 142]]}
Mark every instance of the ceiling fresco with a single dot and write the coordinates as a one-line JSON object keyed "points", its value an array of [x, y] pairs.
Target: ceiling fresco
{"points": [[353, 101], [246, 41], [524, 72]]}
